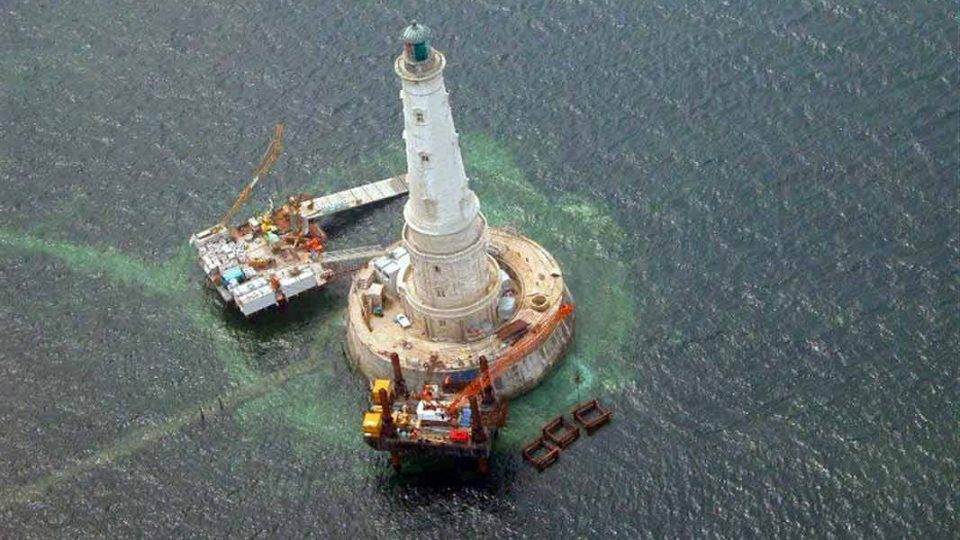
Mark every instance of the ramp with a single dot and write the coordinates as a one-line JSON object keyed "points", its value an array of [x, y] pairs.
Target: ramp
{"points": [[353, 198], [344, 257]]}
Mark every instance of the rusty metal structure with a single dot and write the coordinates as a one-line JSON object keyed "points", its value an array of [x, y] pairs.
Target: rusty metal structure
{"points": [[269, 158], [416, 424], [520, 349], [560, 433], [541, 454], [591, 415], [441, 419]]}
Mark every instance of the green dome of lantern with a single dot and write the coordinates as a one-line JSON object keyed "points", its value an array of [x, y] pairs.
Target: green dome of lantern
{"points": [[416, 39], [416, 33]]}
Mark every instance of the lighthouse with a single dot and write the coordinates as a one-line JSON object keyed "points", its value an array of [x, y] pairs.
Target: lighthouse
{"points": [[452, 290]]}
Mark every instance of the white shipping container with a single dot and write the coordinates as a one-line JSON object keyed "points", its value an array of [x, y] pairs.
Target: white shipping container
{"points": [[387, 272], [297, 284], [256, 300]]}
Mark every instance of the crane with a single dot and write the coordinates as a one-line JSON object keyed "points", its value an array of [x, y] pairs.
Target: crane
{"points": [[524, 346], [269, 158]]}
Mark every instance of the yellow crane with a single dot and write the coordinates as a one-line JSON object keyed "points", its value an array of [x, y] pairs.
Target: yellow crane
{"points": [[269, 158]]}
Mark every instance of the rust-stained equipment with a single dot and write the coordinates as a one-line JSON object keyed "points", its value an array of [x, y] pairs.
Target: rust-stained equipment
{"points": [[561, 432], [434, 422], [524, 346], [432, 364], [497, 417], [476, 429], [407, 422], [487, 384], [400, 385], [387, 429], [541, 454], [591, 415], [513, 330]]}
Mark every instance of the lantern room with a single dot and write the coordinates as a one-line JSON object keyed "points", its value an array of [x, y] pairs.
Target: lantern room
{"points": [[416, 42]]}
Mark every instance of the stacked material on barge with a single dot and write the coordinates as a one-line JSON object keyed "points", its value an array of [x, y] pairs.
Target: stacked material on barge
{"points": [[273, 257]]}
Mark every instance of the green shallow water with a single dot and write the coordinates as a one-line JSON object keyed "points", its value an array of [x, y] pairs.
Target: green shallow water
{"points": [[581, 232]]}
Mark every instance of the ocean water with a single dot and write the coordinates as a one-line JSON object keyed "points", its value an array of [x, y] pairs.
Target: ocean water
{"points": [[756, 205]]}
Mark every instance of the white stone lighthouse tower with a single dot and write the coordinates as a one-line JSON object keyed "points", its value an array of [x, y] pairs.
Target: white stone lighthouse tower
{"points": [[452, 291]]}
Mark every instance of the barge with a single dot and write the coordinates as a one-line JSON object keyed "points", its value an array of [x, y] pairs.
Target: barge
{"points": [[281, 253]]}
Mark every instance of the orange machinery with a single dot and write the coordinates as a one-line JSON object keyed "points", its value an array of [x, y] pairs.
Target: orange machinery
{"points": [[524, 346]]}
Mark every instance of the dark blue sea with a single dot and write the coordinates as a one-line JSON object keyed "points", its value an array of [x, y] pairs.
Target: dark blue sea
{"points": [[756, 205]]}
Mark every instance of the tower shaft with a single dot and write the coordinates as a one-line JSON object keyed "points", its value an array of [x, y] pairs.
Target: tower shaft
{"points": [[452, 289]]}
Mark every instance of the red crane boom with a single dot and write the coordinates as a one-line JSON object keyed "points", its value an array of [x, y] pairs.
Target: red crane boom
{"points": [[524, 346]]}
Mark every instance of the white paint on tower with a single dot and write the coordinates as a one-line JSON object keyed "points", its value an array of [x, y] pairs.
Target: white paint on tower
{"points": [[451, 290]]}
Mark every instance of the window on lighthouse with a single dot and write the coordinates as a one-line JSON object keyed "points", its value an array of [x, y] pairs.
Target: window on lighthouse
{"points": [[419, 117]]}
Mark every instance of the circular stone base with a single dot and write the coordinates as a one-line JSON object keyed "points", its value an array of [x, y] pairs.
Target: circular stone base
{"points": [[541, 292]]}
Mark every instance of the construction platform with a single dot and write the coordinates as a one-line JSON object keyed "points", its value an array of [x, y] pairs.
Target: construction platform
{"points": [[538, 289], [280, 254], [436, 420]]}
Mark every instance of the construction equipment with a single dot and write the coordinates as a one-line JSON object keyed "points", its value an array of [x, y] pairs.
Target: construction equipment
{"points": [[272, 257], [524, 346], [417, 425], [437, 422], [269, 158]]}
